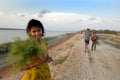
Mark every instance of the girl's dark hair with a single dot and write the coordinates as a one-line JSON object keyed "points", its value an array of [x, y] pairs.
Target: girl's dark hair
{"points": [[36, 23], [88, 29], [94, 32]]}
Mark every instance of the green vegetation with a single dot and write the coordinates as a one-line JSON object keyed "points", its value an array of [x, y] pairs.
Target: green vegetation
{"points": [[109, 37], [10, 29], [70, 45], [59, 61], [56, 39], [115, 40], [19, 46], [105, 31], [22, 51], [5, 47]]}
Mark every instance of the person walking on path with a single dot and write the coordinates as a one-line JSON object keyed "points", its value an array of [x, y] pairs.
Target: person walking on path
{"points": [[87, 36], [38, 69], [94, 39]]}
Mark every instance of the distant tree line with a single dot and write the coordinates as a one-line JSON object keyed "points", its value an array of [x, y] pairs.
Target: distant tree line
{"points": [[11, 29], [105, 31]]}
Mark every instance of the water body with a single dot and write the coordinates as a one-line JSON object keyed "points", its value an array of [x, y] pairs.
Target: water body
{"points": [[10, 35]]}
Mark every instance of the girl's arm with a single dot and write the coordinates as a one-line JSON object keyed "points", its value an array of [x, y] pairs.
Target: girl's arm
{"points": [[36, 62], [49, 59]]}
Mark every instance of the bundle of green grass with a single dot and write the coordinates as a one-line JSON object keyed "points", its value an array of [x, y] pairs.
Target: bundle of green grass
{"points": [[22, 51]]}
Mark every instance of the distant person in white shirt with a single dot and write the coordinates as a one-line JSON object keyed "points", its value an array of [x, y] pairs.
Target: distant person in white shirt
{"points": [[87, 36]]}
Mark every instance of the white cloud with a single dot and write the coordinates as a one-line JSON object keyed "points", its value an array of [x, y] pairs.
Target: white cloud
{"points": [[112, 24], [73, 21], [67, 21], [1, 13], [21, 14], [11, 20], [36, 16], [60, 21]]}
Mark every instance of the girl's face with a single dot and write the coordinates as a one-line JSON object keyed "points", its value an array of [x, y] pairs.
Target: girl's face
{"points": [[94, 34], [36, 32]]}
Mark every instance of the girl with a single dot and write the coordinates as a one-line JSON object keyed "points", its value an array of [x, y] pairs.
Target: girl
{"points": [[38, 69]]}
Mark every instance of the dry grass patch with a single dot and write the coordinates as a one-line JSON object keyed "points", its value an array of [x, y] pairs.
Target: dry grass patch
{"points": [[59, 61]]}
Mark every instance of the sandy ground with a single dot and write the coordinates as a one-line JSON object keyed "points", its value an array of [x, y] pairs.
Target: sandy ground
{"points": [[102, 64]]}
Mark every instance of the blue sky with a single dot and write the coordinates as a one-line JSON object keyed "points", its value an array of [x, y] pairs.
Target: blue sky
{"points": [[61, 14]]}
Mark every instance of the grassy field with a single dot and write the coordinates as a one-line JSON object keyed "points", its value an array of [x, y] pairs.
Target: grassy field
{"points": [[111, 39]]}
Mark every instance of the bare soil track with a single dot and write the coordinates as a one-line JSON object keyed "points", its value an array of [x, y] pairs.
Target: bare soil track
{"points": [[101, 64]]}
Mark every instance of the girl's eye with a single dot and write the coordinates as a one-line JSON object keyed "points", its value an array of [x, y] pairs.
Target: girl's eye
{"points": [[34, 31]]}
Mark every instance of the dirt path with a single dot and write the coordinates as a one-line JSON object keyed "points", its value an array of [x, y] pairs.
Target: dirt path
{"points": [[102, 64], [72, 63]]}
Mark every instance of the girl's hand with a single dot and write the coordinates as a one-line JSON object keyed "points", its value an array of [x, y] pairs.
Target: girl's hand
{"points": [[36, 62], [27, 67], [43, 58], [49, 59]]}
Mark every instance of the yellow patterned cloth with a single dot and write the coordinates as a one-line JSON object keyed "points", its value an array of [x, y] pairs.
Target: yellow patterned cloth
{"points": [[40, 72]]}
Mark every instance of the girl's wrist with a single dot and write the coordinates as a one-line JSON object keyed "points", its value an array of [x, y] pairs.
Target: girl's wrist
{"points": [[35, 63], [28, 66]]}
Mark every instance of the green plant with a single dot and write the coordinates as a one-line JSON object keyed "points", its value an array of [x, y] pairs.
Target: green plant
{"points": [[5, 47], [59, 61], [22, 51]]}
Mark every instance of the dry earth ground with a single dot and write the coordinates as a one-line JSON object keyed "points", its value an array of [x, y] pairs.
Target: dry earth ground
{"points": [[72, 63]]}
